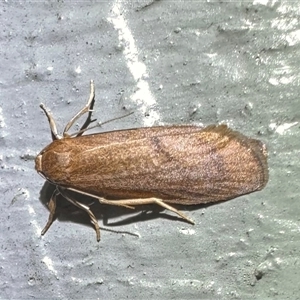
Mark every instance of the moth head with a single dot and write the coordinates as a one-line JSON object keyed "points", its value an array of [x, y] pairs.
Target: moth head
{"points": [[53, 162]]}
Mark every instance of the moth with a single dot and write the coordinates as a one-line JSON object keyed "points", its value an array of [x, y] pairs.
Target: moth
{"points": [[162, 165]]}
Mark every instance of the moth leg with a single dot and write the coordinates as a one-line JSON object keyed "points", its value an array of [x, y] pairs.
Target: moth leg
{"points": [[51, 121], [52, 208], [130, 203], [85, 109], [116, 203], [86, 209], [144, 201]]}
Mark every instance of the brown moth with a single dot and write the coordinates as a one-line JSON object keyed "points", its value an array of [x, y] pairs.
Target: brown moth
{"points": [[158, 165]]}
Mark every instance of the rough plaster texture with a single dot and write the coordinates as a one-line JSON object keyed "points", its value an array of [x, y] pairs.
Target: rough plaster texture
{"points": [[171, 62]]}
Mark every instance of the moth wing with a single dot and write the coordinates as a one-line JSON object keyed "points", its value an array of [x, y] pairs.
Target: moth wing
{"points": [[197, 165]]}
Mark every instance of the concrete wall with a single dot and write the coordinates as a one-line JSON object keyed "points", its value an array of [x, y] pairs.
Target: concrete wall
{"points": [[171, 62]]}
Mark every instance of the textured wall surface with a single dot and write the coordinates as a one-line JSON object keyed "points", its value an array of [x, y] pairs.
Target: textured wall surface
{"points": [[171, 62]]}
